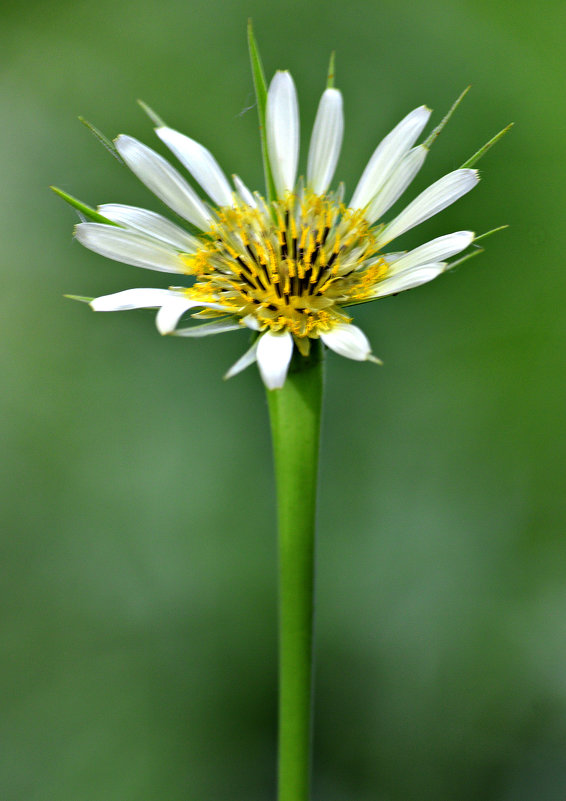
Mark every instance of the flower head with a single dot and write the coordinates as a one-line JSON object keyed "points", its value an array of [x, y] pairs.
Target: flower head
{"points": [[288, 267]]}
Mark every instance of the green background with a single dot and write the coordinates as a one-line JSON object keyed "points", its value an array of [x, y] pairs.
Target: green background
{"points": [[137, 501]]}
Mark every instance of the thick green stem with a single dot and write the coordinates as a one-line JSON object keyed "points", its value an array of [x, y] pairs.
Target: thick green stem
{"points": [[295, 412]]}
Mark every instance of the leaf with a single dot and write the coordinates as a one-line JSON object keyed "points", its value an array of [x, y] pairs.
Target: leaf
{"points": [[83, 208], [483, 150], [260, 87], [331, 71], [428, 142], [104, 141], [155, 118]]}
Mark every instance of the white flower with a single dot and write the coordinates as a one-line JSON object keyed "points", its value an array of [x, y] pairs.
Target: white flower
{"points": [[286, 269]]}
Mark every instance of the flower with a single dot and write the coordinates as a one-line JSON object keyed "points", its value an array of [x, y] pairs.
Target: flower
{"points": [[289, 267]]}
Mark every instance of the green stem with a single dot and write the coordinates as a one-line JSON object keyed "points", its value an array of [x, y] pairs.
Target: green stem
{"points": [[295, 412]]}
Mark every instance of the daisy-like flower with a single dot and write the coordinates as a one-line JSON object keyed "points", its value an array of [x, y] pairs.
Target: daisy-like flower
{"points": [[286, 268]]}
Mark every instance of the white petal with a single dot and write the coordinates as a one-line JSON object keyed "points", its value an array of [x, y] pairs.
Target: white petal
{"points": [[244, 361], [326, 141], [274, 353], [397, 183], [132, 299], [171, 312], [200, 163], [172, 304], [251, 322], [164, 181], [408, 279], [130, 247], [206, 329], [244, 192], [152, 224], [436, 250], [433, 200], [393, 257], [349, 341], [282, 129], [387, 156]]}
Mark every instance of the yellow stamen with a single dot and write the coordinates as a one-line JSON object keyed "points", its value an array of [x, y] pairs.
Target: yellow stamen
{"points": [[287, 272]]}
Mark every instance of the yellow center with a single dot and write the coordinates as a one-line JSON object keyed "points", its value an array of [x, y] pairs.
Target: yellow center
{"points": [[291, 265]]}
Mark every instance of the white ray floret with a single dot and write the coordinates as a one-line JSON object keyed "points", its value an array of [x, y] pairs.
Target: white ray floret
{"points": [[388, 155], [163, 180], [168, 316], [244, 192], [171, 312], [433, 200], [326, 141], [148, 298], [172, 304], [151, 224], [200, 163], [249, 357], [397, 182], [409, 279], [439, 249], [282, 129], [206, 329], [349, 341], [274, 353], [130, 247]]}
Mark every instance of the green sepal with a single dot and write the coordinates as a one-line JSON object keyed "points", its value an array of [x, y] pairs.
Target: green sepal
{"points": [[331, 71], [260, 87], [83, 208], [155, 118], [483, 150], [80, 298], [428, 142], [104, 141]]}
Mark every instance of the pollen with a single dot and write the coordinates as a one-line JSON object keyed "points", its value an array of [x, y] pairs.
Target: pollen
{"points": [[292, 264]]}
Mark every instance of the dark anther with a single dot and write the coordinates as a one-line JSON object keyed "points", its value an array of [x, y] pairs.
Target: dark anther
{"points": [[242, 263], [245, 278], [331, 260], [252, 254]]}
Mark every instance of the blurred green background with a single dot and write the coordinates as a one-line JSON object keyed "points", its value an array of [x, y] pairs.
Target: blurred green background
{"points": [[137, 500]]}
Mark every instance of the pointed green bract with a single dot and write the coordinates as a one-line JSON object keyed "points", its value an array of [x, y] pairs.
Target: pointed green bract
{"points": [[483, 150], [91, 214], [155, 118], [467, 257], [331, 72], [489, 233], [428, 142], [104, 141], [80, 298], [260, 87]]}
